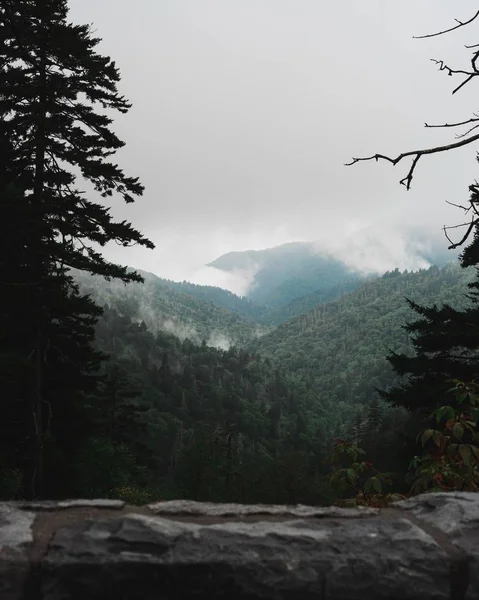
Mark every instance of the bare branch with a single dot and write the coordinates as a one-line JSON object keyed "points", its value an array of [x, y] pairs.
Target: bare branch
{"points": [[458, 124], [417, 154], [465, 82], [451, 71], [466, 235], [447, 237], [458, 26], [464, 208], [470, 130]]}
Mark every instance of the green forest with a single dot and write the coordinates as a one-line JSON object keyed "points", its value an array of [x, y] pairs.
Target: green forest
{"points": [[322, 386]]}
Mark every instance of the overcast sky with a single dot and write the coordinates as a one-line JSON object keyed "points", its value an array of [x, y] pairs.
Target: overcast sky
{"points": [[245, 111]]}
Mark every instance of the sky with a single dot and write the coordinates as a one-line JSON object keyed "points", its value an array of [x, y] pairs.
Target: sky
{"points": [[245, 111]]}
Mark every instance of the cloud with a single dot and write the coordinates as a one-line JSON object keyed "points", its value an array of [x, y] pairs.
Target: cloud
{"points": [[237, 281], [244, 114], [219, 340]]}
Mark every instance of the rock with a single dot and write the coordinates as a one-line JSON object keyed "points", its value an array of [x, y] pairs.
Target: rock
{"points": [[138, 557], [15, 534], [208, 509], [457, 515], [423, 548], [63, 504]]}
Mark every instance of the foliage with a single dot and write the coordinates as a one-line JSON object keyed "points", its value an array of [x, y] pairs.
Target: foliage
{"points": [[450, 459], [214, 424], [53, 127], [339, 348], [61, 127], [354, 475]]}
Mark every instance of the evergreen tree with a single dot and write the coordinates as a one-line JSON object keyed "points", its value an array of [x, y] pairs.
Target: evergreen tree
{"points": [[43, 391], [445, 341], [53, 82]]}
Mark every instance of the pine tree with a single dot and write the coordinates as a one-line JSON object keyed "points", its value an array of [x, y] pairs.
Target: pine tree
{"points": [[445, 341], [52, 83], [42, 393], [446, 344]]}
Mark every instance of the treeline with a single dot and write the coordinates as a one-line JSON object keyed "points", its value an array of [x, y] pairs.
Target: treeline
{"points": [[340, 348]]}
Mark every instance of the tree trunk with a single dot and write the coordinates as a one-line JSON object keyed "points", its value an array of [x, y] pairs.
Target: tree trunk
{"points": [[36, 400]]}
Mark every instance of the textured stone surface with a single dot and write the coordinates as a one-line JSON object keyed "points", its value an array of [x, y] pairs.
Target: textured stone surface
{"points": [[64, 504], [208, 509], [15, 534], [423, 548], [138, 557], [457, 515]]}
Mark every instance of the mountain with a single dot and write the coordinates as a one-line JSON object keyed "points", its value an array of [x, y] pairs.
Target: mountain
{"points": [[284, 274], [340, 347], [220, 297], [167, 306], [276, 315], [287, 272]]}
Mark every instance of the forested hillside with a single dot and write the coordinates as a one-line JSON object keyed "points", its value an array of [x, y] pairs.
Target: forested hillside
{"points": [[340, 348], [287, 272], [276, 315], [220, 297], [210, 424], [167, 307]]}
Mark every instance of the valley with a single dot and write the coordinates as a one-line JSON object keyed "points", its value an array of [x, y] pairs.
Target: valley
{"points": [[205, 367]]}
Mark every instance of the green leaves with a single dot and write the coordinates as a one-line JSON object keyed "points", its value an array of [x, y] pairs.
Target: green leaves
{"points": [[458, 431], [466, 453], [455, 465], [426, 436], [373, 484], [444, 412]]}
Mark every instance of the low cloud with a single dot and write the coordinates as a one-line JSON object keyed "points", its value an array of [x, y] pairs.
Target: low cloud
{"points": [[219, 340], [237, 281]]}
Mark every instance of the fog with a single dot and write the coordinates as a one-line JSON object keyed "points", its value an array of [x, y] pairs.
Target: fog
{"points": [[245, 111]]}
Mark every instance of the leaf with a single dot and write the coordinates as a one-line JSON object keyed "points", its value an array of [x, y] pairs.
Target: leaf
{"points": [[352, 475], [426, 435], [451, 449], [466, 453], [437, 437], [475, 450], [445, 412], [458, 431], [376, 485]]}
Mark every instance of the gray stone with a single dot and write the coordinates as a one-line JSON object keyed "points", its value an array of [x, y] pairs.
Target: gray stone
{"points": [[135, 557], [41, 505], [208, 509], [426, 547], [15, 534], [457, 515]]}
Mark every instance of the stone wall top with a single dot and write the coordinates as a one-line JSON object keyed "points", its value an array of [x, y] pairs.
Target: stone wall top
{"points": [[426, 547]]}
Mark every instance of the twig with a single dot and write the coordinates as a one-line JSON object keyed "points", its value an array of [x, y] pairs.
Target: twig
{"points": [[466, 235], [417, 155], [458, 26]]}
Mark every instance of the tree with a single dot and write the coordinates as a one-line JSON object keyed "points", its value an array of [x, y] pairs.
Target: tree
{"points": [[53, 81], [44, 392], [467, 135], [52, 84]]}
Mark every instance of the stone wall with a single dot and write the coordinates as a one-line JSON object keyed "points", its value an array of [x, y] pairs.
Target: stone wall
{"points": [[426, 547]]}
